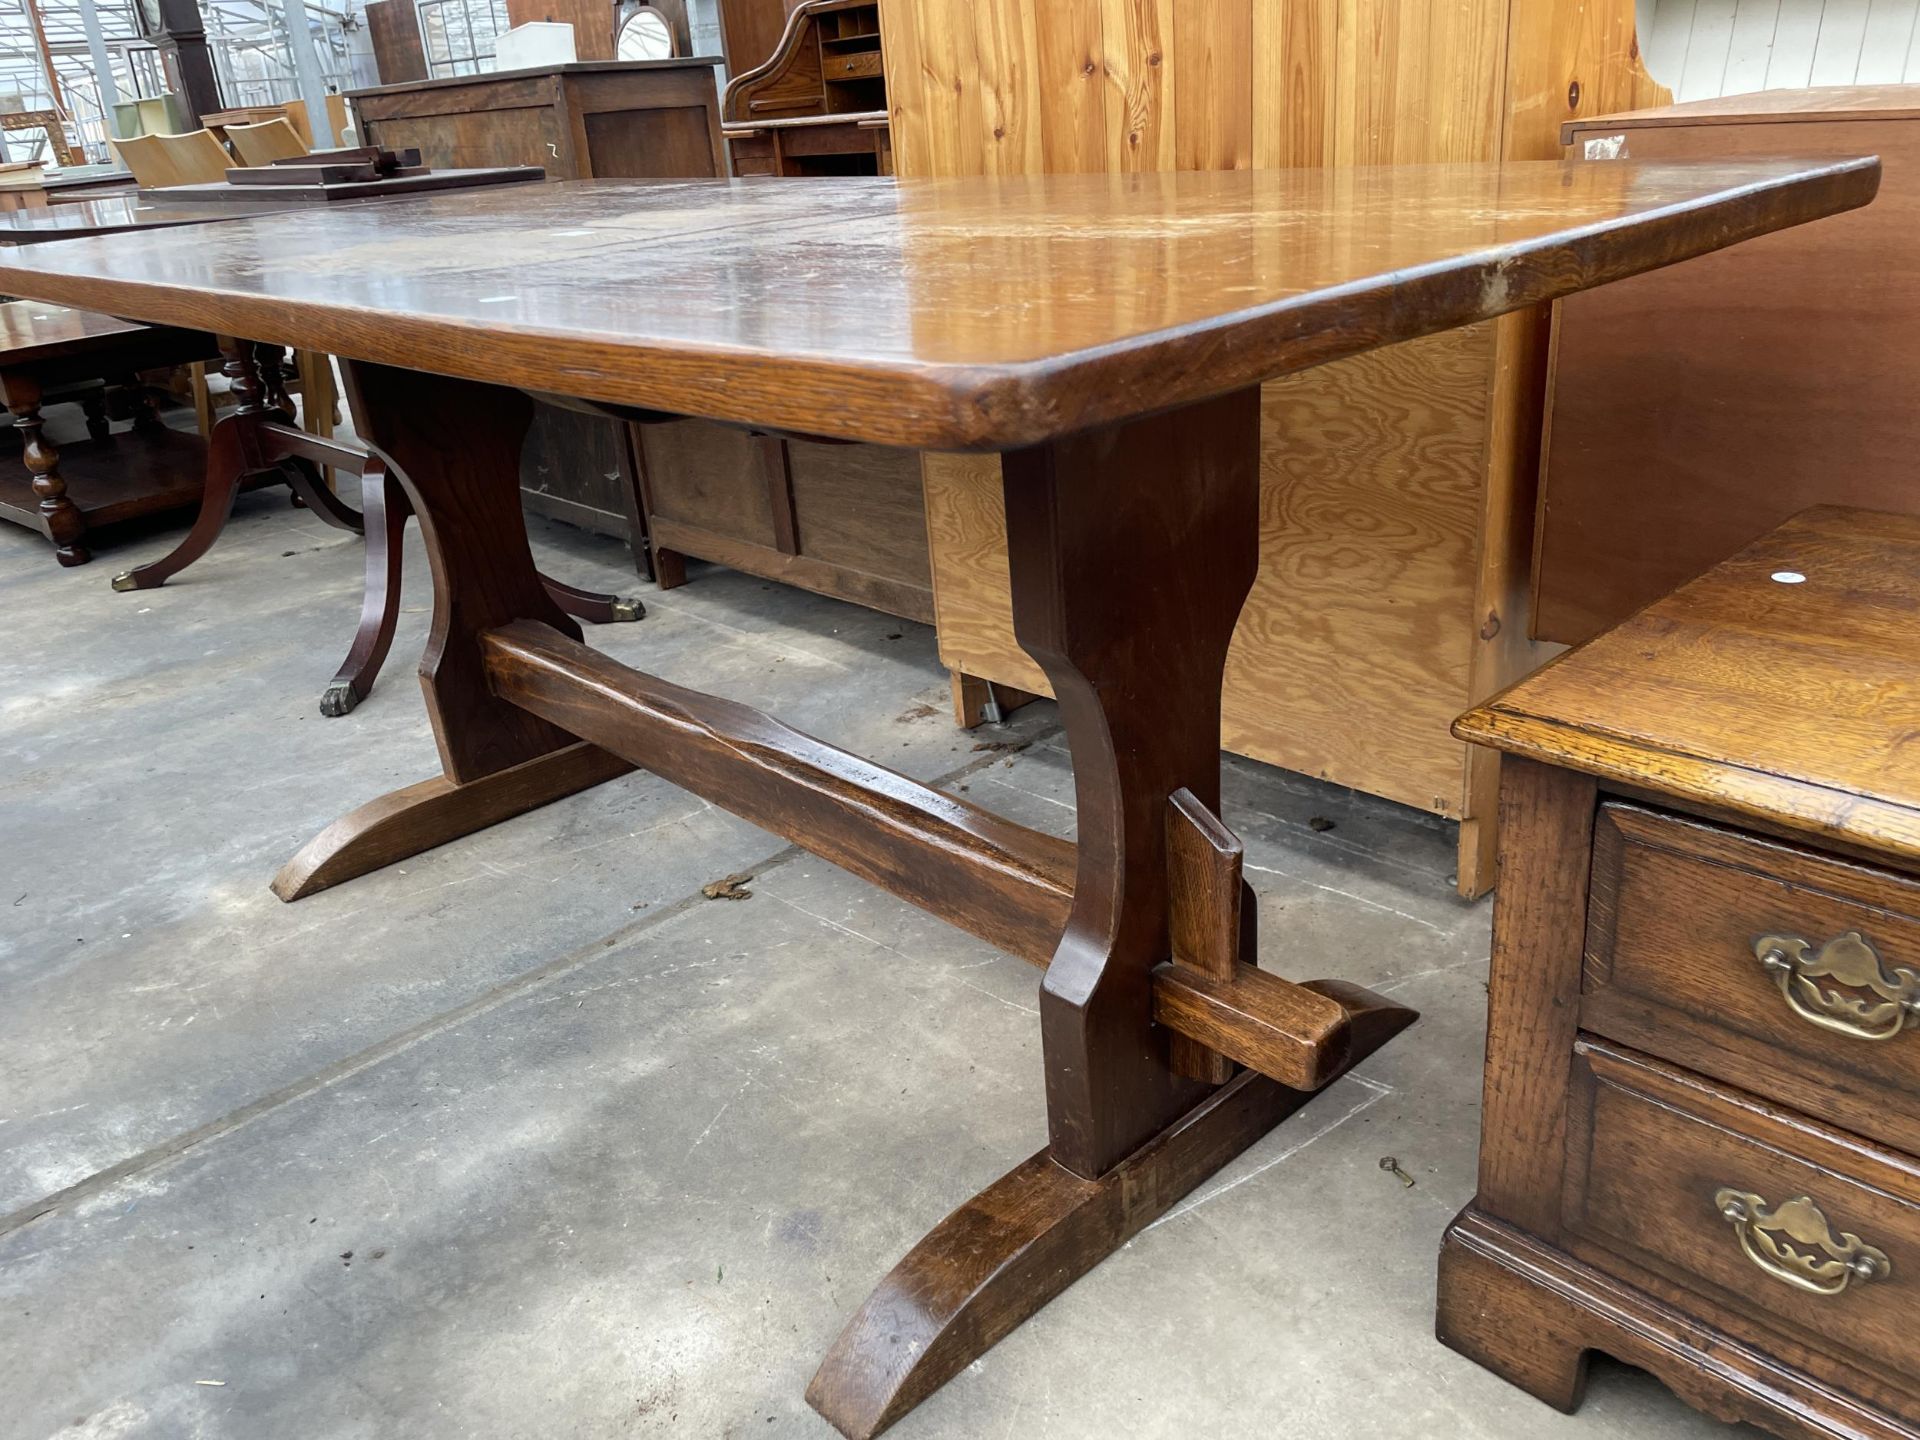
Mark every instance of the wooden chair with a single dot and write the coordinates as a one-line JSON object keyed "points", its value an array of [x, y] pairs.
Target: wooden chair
{"points": [[141, 155], [195, 158], [266, 142]]}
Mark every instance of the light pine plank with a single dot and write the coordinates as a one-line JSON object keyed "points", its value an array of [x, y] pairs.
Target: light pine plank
{"points": [[1213, 86], [1751, 50], [1595, 45], [1883, 54], [1401, 100], [1073, 119], [1135, 40], [1707, 50], [1843, 28], [1795, 35], [912, 123], [1008, 43], [1295, 93]]}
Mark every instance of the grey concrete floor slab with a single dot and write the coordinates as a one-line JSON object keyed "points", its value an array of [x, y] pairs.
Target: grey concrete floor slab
{"points": [[525, 1138]]}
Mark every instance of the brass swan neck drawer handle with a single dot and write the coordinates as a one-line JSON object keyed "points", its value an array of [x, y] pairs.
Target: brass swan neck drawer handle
{"points": [[1796, 1246], [1891, 1002]]}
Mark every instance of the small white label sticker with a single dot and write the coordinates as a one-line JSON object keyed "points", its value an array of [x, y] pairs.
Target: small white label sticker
{"points": [[1789, 577]]}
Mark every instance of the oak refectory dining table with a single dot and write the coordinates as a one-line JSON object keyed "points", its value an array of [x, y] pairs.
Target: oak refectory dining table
{"points": [[1107, 335]]}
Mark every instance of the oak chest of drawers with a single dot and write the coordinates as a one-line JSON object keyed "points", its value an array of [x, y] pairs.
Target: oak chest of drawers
{"points": [[1701, 1148]]}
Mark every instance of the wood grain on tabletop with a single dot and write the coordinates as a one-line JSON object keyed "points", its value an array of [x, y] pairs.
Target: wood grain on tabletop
{"points": [[1788, 702], [959, 315]]}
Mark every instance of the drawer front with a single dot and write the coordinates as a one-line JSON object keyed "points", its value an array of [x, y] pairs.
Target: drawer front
{"points": [[1784, 972], [1771, 1219], [862, 65]]}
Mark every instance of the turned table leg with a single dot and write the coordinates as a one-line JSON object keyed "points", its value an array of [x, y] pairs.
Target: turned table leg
{"points": [[60, 518], [94, 405]]}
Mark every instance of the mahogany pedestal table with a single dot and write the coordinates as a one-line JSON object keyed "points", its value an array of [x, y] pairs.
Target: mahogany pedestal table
{"points": [[261, 434], [1107, 335]]}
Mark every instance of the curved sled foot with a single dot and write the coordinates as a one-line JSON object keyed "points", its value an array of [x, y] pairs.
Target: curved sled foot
{"points": [[1020, 1242], [338, 699], [435, 811]]}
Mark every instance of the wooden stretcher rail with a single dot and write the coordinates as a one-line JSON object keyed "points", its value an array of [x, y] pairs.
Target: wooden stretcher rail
{"points": [[1007, 884]]}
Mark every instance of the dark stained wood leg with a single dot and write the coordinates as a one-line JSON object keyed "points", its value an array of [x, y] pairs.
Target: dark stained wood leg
{"points": [[230, 459], [669, 568], [454, 445], [1016, 1245], [1137, 677], [94, 405], [384, 512], [1490, 1313], [407, 822], [59, 516], [306, 481], [146, 414], [1533, 1315], [593, 606], [1138, 680], [634, 498], [270, 366]]}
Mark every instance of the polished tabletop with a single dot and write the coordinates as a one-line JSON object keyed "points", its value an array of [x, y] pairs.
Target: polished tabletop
{"points": [[1780, 685], [31, 329], [937, 314], [110, 214]]}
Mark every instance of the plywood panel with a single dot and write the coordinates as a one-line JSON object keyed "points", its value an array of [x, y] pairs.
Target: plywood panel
{"points": [[1354, 648], [1353, 652]]}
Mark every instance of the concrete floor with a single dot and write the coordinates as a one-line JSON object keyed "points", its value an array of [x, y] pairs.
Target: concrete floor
{"points": [[525, 1138]]}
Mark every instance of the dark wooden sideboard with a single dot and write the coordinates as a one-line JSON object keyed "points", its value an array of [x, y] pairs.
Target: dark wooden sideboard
{"points": [[1694, 409], [637, 120], [817, 105], [843, 520], [614, 119]]}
